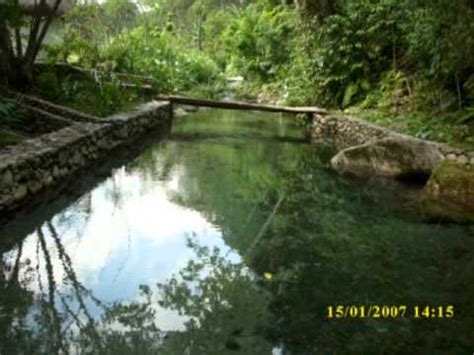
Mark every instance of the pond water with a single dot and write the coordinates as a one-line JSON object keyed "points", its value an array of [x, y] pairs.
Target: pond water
{"points": [[232, 235]]}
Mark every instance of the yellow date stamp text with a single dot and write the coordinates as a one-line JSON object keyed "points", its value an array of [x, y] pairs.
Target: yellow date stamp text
{"points": [[389, 311]]}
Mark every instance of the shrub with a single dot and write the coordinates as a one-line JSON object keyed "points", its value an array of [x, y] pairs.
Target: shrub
{"points": [[256, 41]]}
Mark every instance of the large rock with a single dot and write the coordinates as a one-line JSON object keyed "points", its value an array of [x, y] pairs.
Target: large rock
{"points": [[393, 156], [452, 181], [449, 194]]}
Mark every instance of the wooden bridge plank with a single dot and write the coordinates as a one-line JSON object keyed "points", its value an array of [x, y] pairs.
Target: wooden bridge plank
{"points": [[234, 105]]}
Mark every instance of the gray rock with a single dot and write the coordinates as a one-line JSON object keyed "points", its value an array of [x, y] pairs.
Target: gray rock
{"points": [[393, 156], [20, 192], [449, 194], [56, 171], [452, 181], [34, 186], [462, 160], [7, 180]]}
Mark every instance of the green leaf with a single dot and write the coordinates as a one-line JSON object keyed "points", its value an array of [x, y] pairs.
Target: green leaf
{"points": [[351, 90]]}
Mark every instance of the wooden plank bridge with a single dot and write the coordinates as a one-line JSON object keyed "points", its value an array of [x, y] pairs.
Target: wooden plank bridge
{"points": [[234, 105]]}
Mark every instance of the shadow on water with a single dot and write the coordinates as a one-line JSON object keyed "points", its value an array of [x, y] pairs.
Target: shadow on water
{"points": [[189, 137], [48, 203], [230, 248]]}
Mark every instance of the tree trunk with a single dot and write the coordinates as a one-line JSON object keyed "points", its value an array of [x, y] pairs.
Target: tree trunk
{"points": [[21, 76], [3, 69], [16, 62], [5, 54], [13, 70]]}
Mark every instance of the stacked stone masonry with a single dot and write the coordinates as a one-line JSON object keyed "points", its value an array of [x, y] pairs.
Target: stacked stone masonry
{"points": [[29, 167], [345, 132]]}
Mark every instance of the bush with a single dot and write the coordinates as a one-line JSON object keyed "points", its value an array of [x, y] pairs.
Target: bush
{"points": [[257, 41], [102, 96], [354, 49], [161, 56], [143, 51], [49, 85], [7, 111]]}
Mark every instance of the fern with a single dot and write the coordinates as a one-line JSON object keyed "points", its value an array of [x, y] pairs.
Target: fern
{"points": [[8, 110]]}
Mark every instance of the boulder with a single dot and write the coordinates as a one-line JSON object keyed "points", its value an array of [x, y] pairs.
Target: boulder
{"points": [[453, 182], [449, 193], [395, 156]]}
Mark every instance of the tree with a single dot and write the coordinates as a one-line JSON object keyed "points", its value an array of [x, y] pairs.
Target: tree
{"points": [[120, 14], [18, 54], [319, 9]]}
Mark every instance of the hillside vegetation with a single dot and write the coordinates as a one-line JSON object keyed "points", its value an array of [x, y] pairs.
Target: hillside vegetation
{"points": [[404, 64]]}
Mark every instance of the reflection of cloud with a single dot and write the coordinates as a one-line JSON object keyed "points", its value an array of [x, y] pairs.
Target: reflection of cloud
{"points": [[137, 238]]}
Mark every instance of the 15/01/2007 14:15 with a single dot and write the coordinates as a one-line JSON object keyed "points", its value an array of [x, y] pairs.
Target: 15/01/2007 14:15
{"points": [[392, 311]]}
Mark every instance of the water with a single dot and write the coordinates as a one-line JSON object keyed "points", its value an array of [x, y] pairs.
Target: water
{"points": [[230, 236]]}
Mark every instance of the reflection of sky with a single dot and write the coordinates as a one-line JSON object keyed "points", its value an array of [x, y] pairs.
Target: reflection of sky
{"points": [[134, 235]]}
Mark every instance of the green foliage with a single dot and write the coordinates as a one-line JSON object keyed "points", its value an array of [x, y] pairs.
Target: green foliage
{"points": [[160, 55], [10, 137], [83, 33], [214, 26], [454, 128], [7, 110], [102, 96], [353, 49], [10, 123], [49, 84], [141, 50], [398, 56], [120, 14], [257, 41], [10, 13], [441, 43]]}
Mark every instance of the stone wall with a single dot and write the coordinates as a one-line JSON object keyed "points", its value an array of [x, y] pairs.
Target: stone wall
{"points": [[67, 113], [40, 121], [344, 132], [29, 167]]}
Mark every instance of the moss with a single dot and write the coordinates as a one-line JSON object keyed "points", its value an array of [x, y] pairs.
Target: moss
{"points": [[452, 175], [453, 181]]}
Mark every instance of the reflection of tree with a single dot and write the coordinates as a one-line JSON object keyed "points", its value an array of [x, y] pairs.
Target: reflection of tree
{"points": [[318, 238], [43, 321], [335, 243], [226, 308], [332, 241], [154, 164], [50, 315], [114, 191], [14, 301], [229, 168]]}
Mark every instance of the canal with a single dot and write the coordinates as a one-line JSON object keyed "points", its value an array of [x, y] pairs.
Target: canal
{"points": [[233, 235]]}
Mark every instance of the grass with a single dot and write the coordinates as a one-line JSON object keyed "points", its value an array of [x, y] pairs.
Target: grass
{"points": [[454, 128], [10, 137], [99, 97]]}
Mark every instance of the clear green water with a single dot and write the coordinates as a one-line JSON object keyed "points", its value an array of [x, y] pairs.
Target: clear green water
{"points": [[230, 236]]}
